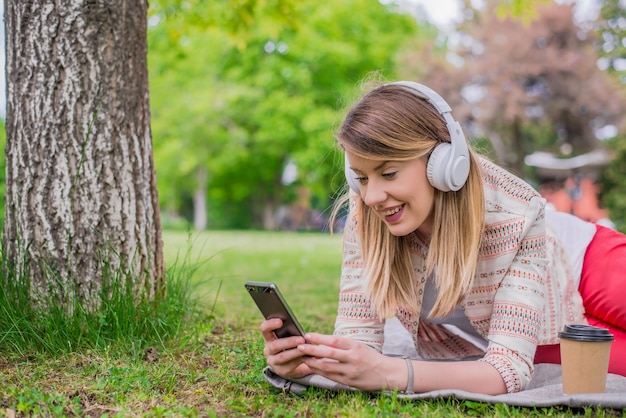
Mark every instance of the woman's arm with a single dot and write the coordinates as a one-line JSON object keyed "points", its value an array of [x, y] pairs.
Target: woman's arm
{"points": [[518, 309], [352, 363]]}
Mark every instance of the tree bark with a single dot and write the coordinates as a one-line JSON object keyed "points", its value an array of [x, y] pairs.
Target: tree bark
{"points": [[81, 192]]}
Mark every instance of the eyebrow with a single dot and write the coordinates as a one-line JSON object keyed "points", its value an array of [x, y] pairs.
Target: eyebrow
{"points": [[378, 167]]}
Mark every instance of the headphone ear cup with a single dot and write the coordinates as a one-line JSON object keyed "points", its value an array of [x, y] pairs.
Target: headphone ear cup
{"points": [[351, 177], [458, 172], [438, 165]]}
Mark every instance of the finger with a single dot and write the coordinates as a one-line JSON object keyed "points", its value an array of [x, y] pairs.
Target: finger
{"points": [[288, 363], [295, 370], [268, 327], [278, 355], [271, 324], [325, 352], [279, 345], [325, 366], [335, 341]]}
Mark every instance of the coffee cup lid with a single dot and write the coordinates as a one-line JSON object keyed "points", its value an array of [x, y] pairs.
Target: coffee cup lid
{"points": [[580, 332]]}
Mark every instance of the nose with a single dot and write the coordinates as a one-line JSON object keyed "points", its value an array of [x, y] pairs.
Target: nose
{"points": [[374, 193]]}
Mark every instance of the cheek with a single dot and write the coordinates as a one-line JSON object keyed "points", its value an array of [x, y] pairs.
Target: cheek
{"points": [[424, 189], [426, 199]]}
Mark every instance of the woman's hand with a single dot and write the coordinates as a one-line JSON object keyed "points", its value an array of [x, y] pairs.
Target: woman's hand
{"points": [[282, 354], [352, 363]]}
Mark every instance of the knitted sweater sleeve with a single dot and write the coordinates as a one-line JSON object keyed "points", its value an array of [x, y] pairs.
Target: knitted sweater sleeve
{"points": [[518, 306]]}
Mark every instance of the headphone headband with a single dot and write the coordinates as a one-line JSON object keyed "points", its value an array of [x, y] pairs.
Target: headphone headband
{"points": [[448, 164], [427, 93]]}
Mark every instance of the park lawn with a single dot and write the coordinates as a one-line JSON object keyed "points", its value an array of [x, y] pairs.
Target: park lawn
{"points": [[214, 368], [306, 267]]}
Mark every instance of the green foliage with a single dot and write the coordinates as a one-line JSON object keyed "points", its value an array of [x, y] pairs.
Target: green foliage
{"points": [[235, 17], [522, 9], [612, 37], [243, 103], [612, 193]]}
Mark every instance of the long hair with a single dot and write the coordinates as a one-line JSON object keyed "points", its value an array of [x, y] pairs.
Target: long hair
{"points": [[392, 124]]}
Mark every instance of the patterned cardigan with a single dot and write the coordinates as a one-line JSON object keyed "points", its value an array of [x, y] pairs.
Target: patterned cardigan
{"points": [[523, 293]]}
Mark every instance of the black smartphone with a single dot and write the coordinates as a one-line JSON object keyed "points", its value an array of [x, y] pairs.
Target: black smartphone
{"points": [[271, 303]]}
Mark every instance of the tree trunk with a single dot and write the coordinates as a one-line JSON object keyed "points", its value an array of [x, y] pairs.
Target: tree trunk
{"points": [[200, 201], [81, 189]]}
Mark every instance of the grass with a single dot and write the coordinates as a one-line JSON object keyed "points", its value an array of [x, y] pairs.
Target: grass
{"points": [[212, 366], [305, 266]]}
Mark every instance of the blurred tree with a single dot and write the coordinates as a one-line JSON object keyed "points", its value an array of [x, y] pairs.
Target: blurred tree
{"points": [[526, 10], [611, 29], [611, 44], [542, 72], [612, 194], [236, 111], [80, 186]]}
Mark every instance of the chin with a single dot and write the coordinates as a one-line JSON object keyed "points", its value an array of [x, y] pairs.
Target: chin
{"points": [[400, 232]]}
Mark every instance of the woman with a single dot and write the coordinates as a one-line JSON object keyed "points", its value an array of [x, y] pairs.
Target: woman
{"points": [[457, 249]]}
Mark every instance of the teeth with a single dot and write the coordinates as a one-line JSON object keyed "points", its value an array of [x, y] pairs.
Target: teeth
{"points": [[392, 211]]}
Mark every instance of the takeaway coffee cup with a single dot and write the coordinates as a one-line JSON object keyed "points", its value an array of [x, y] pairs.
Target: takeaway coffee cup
{"points": [[585, 351]]}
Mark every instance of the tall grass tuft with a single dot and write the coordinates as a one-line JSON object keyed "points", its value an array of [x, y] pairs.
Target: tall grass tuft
{"points": [[121, 317]]}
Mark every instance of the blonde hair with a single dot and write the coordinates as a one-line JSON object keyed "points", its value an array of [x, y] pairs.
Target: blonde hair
{"points": [[392, 124]]}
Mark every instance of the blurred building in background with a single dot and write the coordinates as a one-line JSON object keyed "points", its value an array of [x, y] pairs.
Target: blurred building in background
{"points": [[570, 184]]}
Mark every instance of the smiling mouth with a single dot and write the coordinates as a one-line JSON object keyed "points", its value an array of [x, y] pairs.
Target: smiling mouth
{"points": [[392, 211]]}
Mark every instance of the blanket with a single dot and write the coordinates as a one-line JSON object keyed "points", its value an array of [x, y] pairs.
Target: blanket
{"points": [[545, 389]]}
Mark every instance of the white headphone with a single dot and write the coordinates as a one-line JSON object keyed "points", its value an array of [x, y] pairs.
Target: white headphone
{"points": [[448, 164]]}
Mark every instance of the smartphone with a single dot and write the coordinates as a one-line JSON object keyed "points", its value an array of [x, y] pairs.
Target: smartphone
{"points": [[271, 303]]}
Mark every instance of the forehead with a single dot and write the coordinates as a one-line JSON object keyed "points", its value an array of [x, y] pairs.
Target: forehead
{"points": [[359, 162], [366, 164]]}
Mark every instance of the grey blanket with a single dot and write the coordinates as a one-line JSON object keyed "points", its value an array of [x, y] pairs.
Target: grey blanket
{"points": [[545, 389]]}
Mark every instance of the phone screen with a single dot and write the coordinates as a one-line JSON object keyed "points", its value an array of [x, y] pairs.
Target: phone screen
{"points": [[271, 303]]}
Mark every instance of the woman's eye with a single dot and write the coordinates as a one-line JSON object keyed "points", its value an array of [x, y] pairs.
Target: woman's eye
{"points": [[361, 180], [390, 175]]}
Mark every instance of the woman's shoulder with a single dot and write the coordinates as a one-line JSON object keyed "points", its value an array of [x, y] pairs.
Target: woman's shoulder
{"points": [[505, 192]]}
